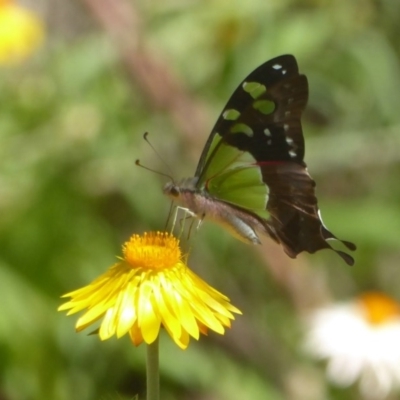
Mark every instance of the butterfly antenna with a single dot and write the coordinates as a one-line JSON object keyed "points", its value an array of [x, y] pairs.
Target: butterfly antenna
{"points": [[137, 162], [146, 138]]}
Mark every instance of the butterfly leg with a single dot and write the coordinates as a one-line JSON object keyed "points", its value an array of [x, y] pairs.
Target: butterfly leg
{"points": [[200, 222], [186, 211], [187, 214]]}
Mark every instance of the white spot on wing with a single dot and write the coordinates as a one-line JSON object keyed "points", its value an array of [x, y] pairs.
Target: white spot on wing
{"points": [[292, 153], [286, 128], [277, 66], [267, 132], [289, 141]]}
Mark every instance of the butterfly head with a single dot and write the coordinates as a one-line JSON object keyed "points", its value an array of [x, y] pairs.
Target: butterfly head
{"points": [[174, 189], [179, 192]]}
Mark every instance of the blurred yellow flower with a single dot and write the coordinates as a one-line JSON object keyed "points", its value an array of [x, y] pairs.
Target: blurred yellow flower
{"points": [[151, 287], [21, 32], [360, 340]]}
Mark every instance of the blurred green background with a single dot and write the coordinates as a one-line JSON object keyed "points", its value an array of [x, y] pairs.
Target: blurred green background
{"points": [[71, 126]]}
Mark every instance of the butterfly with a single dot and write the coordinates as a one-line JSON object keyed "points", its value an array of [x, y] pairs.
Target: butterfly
{"points": [[251, 177]]}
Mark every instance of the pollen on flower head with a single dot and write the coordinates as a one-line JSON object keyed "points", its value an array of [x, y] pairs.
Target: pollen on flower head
{"points": [[379, 308], [154, 250]]}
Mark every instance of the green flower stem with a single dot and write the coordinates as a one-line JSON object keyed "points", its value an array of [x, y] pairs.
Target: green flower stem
{"points": [[152, 370]]}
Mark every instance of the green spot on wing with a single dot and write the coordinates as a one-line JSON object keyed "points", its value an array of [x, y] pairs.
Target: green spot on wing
{"points": [[242, 128], [264, 106], [254, 89], [231, 114]]}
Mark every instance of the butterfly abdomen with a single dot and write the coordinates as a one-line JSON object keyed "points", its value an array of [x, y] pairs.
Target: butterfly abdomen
{"points": [[241, 224]]}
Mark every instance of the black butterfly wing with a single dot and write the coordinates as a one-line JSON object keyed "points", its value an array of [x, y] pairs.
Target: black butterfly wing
{"points": [[260, 126]]}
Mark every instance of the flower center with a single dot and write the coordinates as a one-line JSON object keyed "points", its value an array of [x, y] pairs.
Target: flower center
{"points": [[153, 250], [379, 308]]}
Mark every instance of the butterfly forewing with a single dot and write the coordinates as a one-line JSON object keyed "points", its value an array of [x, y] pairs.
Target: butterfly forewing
{"points": [[262, 116]]}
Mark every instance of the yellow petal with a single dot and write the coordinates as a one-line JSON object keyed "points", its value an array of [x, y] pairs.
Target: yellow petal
{"points": [[127, 311], [168, 318], [148, 321], [107, 327], [136, 335]]}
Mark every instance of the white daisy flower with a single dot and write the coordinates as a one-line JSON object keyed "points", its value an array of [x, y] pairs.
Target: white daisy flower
{"points": [[360, 340]]}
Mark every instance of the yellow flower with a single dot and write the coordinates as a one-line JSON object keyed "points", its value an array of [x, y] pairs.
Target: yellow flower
{"points": [[21, 32], [151, 286]]}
